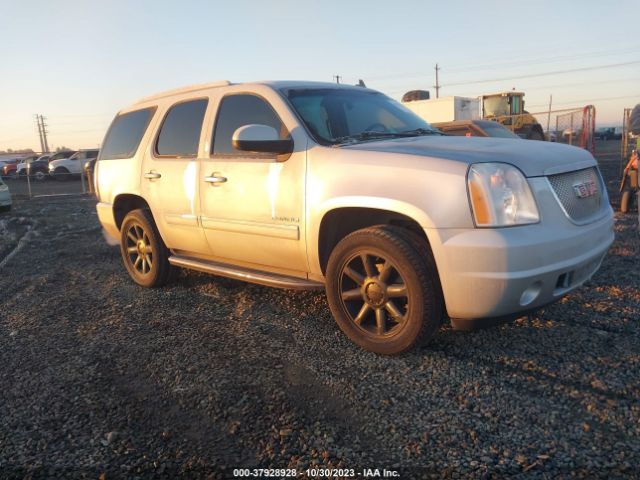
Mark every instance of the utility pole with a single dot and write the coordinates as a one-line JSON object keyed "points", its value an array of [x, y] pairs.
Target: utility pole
{"points": [[337, 77], [549, 115], [437, 85], [44, 134], [40, 133]]}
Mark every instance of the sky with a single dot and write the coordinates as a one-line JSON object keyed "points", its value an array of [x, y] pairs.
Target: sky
{"points": [[79, 62]]}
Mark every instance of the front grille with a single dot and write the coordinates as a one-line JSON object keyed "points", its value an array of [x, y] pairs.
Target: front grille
{"points": [[577, 197]]}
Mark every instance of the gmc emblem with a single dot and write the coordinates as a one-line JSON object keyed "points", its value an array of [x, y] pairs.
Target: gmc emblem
{"points": [[585, 189]]}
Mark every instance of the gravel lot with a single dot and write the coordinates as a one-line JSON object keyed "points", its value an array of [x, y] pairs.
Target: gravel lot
{"points": [[100, 376]]}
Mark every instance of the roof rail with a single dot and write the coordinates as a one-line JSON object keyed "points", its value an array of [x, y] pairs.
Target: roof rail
{"points": [[188, 89]]}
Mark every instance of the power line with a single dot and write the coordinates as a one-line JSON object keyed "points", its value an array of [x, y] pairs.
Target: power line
{"points": [[559, 85], [589, 100], [545, 74], [542, 60], [67, 132], [529, 61]]}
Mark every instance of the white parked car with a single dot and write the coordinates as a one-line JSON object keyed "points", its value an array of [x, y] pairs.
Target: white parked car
{"points": [[5, 197], [68, 167]]}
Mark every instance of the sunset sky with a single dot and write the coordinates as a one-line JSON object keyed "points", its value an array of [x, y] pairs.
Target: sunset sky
{"points": [[78, 62]]}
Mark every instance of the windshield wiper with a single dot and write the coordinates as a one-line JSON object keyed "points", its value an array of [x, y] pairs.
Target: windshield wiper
{"points": [[421, 131], [370, 135]]}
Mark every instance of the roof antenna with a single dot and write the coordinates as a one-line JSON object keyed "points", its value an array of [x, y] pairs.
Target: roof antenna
{"points": [[361, 83]]}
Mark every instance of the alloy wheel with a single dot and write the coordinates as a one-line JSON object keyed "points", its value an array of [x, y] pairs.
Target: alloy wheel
{"points": [[139, 249], [374, 294]]}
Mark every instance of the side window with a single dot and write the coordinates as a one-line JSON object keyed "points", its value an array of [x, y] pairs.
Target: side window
{"points": [[125, 134], [238, 110], [180, 132]]}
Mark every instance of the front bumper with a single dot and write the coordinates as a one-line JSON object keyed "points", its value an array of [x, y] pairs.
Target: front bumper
{"points": [[487, 273]]}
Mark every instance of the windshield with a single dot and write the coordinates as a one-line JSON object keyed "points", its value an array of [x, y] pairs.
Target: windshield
{"points": [[335, 115], [496, 106]]}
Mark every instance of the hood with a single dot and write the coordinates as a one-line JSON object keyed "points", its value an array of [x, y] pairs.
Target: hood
{"points": [[534, 158]]}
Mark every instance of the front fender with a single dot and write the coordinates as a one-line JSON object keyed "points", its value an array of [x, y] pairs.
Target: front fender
{"points": [[319, 212]]}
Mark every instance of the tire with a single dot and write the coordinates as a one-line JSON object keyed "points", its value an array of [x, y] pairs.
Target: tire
{"points": [[536, 135], [5, 208], [626, 201], [61, 174], [144, 254], [40, 175], [392, 304]]}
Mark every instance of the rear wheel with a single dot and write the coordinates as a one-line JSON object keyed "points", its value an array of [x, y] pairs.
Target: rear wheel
{"points": [[382, 291], [144, 254]]}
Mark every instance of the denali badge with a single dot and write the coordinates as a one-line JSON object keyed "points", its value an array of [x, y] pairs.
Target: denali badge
{"points": [[585, 189]]}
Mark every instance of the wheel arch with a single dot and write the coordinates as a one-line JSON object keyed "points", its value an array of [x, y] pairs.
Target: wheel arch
{"points": [[338, 221], [124, 203]]}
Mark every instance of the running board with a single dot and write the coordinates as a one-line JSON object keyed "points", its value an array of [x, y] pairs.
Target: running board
{"points": [[245, 274]]}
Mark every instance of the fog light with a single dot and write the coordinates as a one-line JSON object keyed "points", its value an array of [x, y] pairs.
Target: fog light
{"points": [[530, 294]]}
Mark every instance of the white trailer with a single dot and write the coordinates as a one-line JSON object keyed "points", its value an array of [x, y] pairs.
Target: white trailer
{"points": [[446, 109]]}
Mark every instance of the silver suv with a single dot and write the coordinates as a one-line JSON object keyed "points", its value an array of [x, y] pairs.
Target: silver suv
{"points": [[313, 185]]}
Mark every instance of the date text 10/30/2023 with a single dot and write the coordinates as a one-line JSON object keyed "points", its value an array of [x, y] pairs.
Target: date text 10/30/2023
{"points": [[315, 473]]}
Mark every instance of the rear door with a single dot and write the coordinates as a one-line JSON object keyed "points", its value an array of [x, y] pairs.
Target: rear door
{"points": [[169, 176]]}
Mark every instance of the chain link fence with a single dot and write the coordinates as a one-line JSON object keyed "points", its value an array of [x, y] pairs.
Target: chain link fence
{"points": [[574, 126], [34, 175]]}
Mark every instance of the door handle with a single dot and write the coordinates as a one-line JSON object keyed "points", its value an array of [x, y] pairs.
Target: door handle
{"points": [[215, 179], [152, 175]]}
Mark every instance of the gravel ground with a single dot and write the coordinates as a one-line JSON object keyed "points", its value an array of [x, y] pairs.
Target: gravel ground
{"points": [[100, 376]]}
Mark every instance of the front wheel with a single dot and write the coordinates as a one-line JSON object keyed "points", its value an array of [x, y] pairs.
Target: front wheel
{"points": [[383, 289], [144, 254]]}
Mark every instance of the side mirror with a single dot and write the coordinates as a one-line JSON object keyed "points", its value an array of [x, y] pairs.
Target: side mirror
{"points": [[260, 139]]}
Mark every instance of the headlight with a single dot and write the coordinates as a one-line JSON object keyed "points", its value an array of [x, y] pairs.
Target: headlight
{"points": [[500, 196]]}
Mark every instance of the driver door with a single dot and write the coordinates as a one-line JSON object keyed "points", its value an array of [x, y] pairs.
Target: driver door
{"points": [[252, 204]]}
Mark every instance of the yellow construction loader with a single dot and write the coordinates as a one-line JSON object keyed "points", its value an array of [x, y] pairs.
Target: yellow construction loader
{"points": [[507, 108]]}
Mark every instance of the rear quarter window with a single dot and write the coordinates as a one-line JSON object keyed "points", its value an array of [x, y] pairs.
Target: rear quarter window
{"points": [[125, 134], [180, 132]]}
